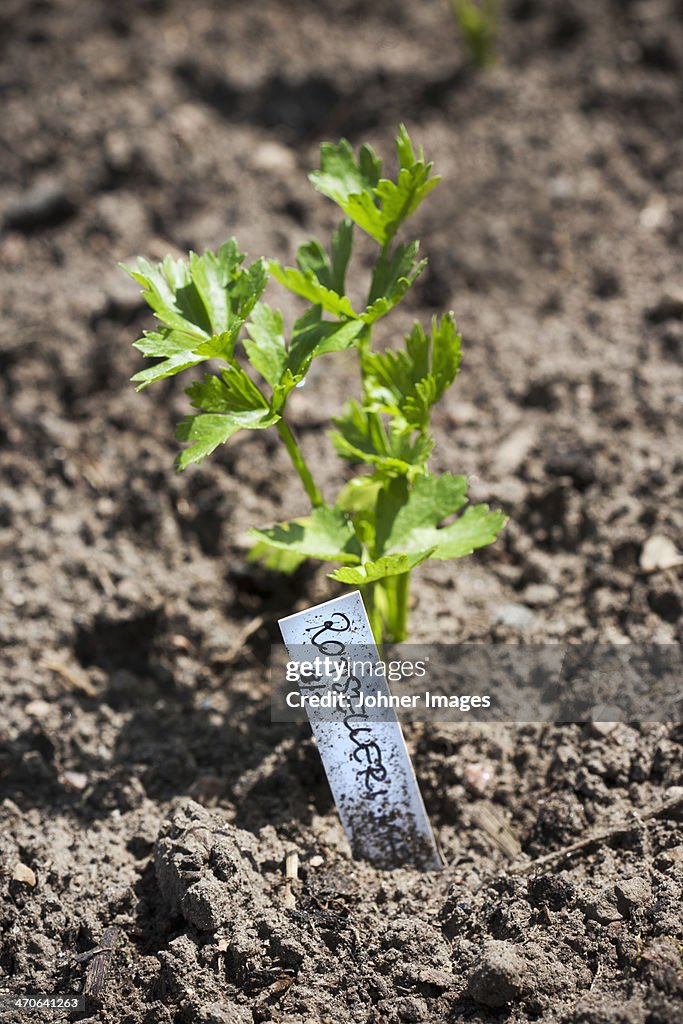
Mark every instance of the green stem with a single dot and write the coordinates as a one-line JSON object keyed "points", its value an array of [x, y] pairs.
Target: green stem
{"points": [[399, 606], [373, 606], [299, 463], [386, 602]]}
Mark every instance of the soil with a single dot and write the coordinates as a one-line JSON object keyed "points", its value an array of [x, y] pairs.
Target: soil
{"points": [[143, 785]]}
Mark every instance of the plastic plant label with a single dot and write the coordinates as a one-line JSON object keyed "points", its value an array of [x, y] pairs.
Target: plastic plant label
{"points": [[363, 750]]}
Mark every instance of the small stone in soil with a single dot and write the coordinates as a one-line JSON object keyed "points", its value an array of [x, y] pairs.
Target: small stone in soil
{"points": [[540, 594], [43, 205], [477, 778], [76, 780], [38, 708], [501, 975], [632, 894], [516, 616], [659, 553], [604, 719], [602, 908], [24, 874]]}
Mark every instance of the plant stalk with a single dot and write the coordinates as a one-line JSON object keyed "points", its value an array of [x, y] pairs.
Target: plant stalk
{"points": [[370, 592], [399, 606], [386, 602], [299, 464]]}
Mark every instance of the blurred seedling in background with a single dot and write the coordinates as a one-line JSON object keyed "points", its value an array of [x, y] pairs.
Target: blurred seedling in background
{"points": [[478, 24], [388, 520]]}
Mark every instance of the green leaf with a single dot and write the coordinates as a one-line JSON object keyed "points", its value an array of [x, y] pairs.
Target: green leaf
{"points": [[312, 258], [475, 528], [351, 184], [326, 533], [233, 391], [168, 290], [265, 346], [276, 559], [378, 205], [379, 569], [314, 337], [330, 274], [201, 303], [359, 494], [359, 498], [407, 517], [407, 383], [247, 288], [229, 403], [370, 165], [391, 280], [211, 274], [208, 430], [173, 348], [282, 389], [267, 352], [342, 242], [401, 198], [306, 284], [362, 437], [407, 520]]}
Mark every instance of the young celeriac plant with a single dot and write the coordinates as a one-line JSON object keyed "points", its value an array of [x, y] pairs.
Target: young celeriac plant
{"points": [[478, 24], [384, 522]]}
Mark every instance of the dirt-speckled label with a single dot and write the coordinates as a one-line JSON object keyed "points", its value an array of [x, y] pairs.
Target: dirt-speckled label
{"points": [[366, 760]]}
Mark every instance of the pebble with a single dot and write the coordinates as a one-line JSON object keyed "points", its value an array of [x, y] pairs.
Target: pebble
{"points": [[514, 450], [540, 594], [501, 975], [603, 908], [76, 780], [673, 857], [24, 874], [274, 157], [515, 616], [411, 1009], [632, 894], [206, 905], [439, 979], [38, 709], [604, 719], [42, 205], [464, 412], [118, 151], [655, 214], [659, 553], [477, 778]]}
